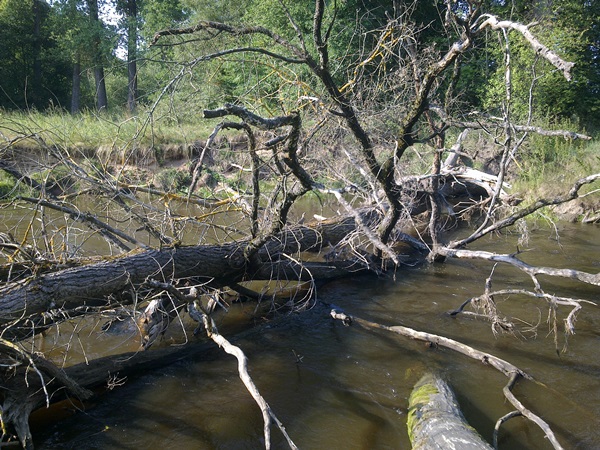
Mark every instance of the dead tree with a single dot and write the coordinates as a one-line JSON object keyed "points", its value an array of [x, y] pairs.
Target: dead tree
{"points": [[155, 271]]}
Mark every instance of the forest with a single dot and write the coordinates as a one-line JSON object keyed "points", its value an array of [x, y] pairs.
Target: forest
{"points": [[166, 164]]}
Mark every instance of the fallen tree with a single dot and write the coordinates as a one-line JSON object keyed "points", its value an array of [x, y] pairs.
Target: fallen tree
{"points": [[435, 419], [222, 264], [173, 254]]}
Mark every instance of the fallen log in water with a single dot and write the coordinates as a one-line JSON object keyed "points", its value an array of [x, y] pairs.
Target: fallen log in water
{"points": [[435, 420], [24, 392], [77, 286]]}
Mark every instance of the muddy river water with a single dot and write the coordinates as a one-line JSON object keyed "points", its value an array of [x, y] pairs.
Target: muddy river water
{"points": [[337, 387]]}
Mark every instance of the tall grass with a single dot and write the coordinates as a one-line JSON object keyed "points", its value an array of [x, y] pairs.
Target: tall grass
{"points": [[545, 166], [89, 131], [550, 165]]}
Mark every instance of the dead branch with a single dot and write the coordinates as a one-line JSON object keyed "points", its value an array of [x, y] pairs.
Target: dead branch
{"points": [[508, 369], [540, 49], [250, 118], [552, 300], [486, 125], [524, 212], [532, 271], [507, 391], [377, 243], [20, 177], [108, 232], [300, 56], [18, 402], [198, 313], [499, 364]]}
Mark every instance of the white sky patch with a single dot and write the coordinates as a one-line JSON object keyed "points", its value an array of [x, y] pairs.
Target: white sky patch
{"points": [[109, 15]]}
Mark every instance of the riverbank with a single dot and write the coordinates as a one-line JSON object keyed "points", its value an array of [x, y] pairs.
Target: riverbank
{"points": [[162, 155]]}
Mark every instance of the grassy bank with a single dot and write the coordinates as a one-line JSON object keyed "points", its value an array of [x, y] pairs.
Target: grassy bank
{"points": [[549, 167], [545, 166], [87, 132]]}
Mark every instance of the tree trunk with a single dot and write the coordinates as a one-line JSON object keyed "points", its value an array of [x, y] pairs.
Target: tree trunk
{"points": [[225, 263], [101, 98], [76, 89], [131, 17], [37, 48], [435, 420]]}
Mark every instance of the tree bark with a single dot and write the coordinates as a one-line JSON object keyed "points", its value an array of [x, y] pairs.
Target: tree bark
{"points": [[101, 97], [76, 88], [79, 286], [37, 49], [435, 420], [131, 17]]}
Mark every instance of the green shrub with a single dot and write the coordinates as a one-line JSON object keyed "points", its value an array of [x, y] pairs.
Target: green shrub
{"points": [[173, 180]]}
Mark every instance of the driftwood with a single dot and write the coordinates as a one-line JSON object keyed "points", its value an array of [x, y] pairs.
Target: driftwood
{"points": [[435, 420], [508, 369]]}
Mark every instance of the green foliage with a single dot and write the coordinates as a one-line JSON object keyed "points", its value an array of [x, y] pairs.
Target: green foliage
{"points": [[173, 180], [8, 186], [552, 164], [569, 28], [32, 73], [88, 133], [160, 14]]}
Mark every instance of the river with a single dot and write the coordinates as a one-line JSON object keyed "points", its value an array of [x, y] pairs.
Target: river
{"points": [[337, 387]]}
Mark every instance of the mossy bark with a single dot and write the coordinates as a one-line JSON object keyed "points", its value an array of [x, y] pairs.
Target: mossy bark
{"points": [[435, 420]]}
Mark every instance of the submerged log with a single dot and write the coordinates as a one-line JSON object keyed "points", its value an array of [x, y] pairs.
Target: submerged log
{"points": [[24, 392], [435, 420]]}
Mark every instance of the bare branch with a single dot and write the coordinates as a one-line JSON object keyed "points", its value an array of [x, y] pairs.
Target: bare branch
{"points": [[103, 228], [236, 31], [532, 271], [507, 390], [199, 314], [250, 118], [524, 212], [508, 369], [540, 49]]}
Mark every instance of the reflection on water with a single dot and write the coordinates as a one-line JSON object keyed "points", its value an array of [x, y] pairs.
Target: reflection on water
{"points": [[343, 387]]}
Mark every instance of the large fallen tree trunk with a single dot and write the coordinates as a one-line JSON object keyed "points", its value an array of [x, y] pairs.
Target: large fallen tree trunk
{"points": [[77, 286], [224, 263], [435, 420]]}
